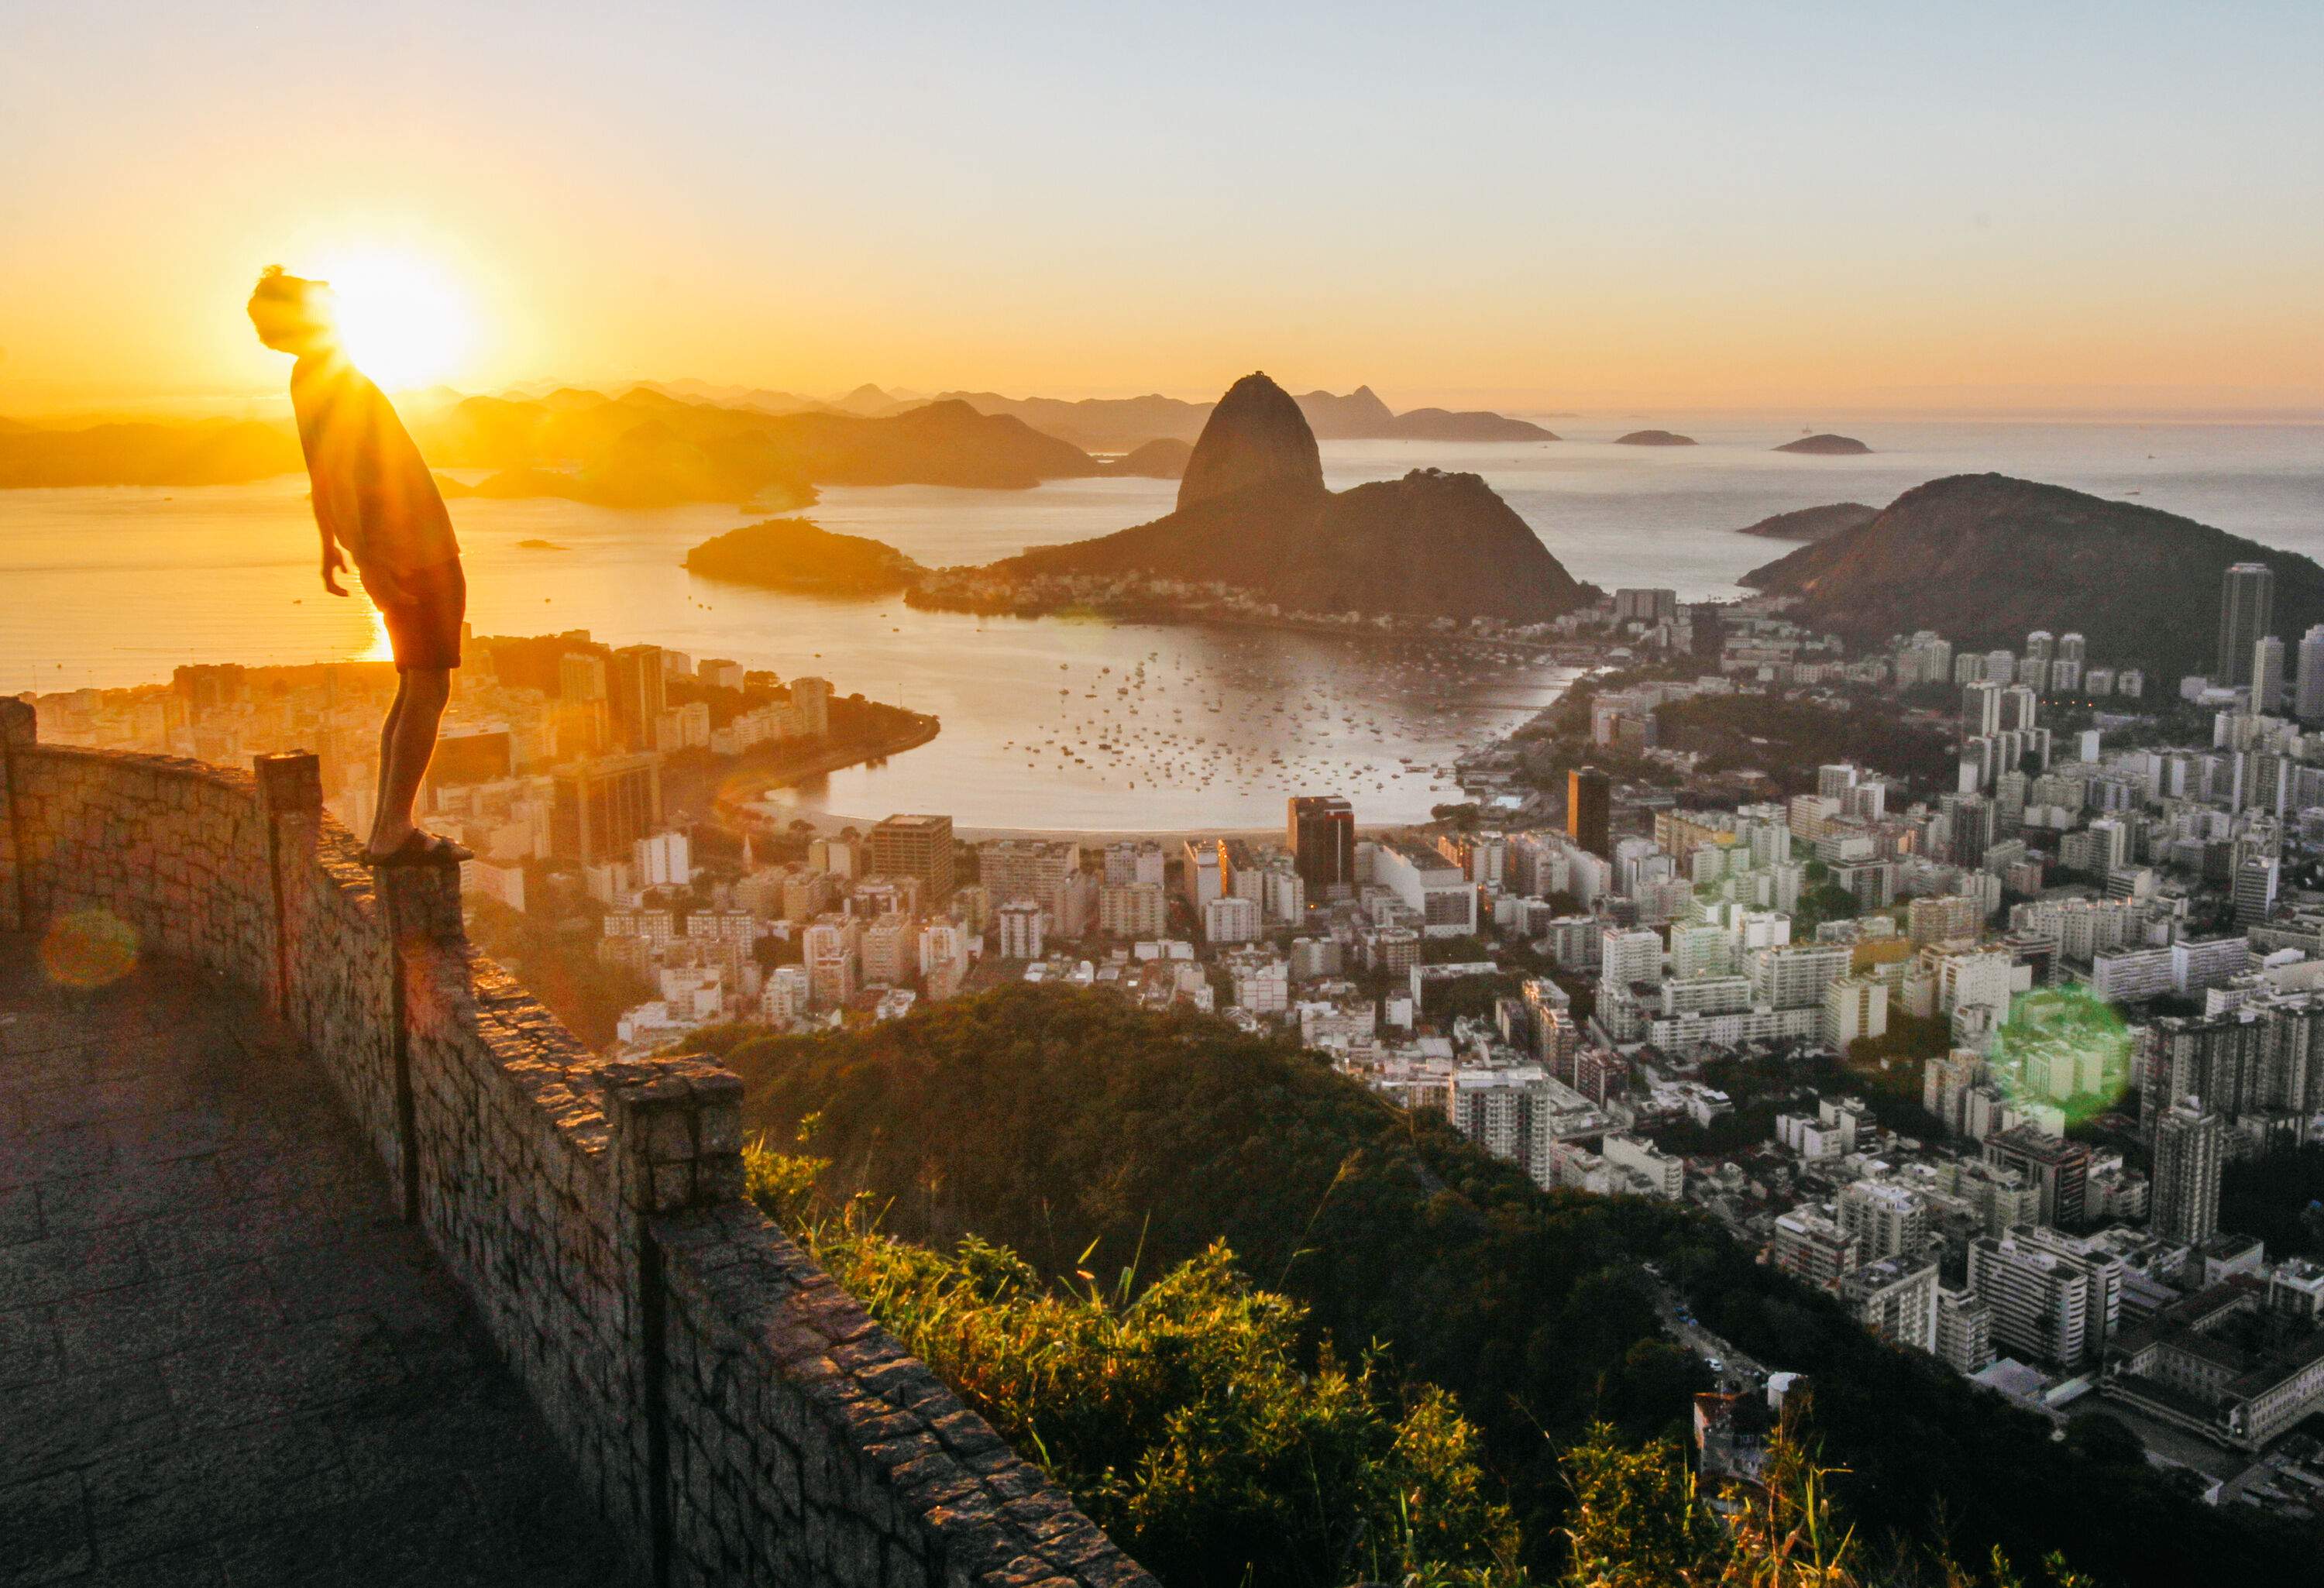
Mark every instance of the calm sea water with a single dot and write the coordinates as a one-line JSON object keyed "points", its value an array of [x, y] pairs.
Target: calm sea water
{"points": [[1073, 724]]}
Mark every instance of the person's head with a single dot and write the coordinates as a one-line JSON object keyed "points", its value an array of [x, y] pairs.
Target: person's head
{"points": [[292, 314]]}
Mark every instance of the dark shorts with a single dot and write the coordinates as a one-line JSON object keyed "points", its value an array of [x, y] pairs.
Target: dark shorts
{"points": [[423, 624]]}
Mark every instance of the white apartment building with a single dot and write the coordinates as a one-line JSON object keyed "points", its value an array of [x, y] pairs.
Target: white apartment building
{"points": [[1019, 924], [1647, 1167], [1428, 884], [1230, 919], [2055, 1299], [1895, 1297]]}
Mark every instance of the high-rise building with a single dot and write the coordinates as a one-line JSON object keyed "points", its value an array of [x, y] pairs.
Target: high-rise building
{"points": [[2308, 678], [1589, 810], [832, 952], [599, 808], [2255, 887], [1133, 909], [1813, 1248], [634, 688], [584, 714], [2246, 611], [1981, 708], [1895, 1297], [2267, 674], [916, 846], [2054, 1298], [1886, 1220], [1321, 838], [811, 699], [1019, 924], [2190, 1151], [1205, 872], [1964, 1331], [2021, 708], [2058, 1169]]}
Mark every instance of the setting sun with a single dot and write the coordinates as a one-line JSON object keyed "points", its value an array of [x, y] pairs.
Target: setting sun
{"points": [[403, 320]]}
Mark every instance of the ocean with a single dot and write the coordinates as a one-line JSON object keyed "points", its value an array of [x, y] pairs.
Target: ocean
{"points": [[1056, 723]]}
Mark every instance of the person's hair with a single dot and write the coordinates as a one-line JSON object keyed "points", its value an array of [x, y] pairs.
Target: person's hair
{"points": [[291, 313]]}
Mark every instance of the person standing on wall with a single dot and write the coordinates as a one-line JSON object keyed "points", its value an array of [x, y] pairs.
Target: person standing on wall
{"points": [[376, 503]]}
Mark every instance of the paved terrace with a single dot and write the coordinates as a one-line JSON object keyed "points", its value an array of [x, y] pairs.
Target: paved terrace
{"points": [[224, 1359]]}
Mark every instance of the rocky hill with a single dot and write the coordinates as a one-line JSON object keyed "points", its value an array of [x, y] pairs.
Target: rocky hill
{"points": [[1654, 439], [1827, 446], [1253, 512], [1983, 558], [1255, 436], [1814, 524]]}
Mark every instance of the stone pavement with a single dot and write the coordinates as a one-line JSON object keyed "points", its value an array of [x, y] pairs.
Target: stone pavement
{"points": [[223, 1359]]}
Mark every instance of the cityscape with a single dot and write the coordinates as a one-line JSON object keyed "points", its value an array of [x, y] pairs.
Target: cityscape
{"points": [[1973, 1059]]}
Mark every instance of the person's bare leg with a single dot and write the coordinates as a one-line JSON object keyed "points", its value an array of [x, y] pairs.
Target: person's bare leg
{"points": [[419, 710], [386, 759]]}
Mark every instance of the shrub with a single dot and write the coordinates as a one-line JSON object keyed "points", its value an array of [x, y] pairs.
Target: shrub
{"points": [[1178, 1415]]}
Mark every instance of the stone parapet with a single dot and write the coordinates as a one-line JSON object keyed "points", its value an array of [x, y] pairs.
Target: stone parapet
{"points": [[739, 1416]]}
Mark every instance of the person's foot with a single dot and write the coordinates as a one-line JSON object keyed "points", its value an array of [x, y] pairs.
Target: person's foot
{"points": [[418, 848]]}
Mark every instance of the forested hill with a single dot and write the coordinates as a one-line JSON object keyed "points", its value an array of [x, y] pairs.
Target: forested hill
{"points": [[1984, 560], [1047, 1119]]}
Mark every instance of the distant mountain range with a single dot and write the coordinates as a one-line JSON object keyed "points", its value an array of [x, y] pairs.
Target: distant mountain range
{"points": [[206, 452], [1116, 424], [1983, 559], [656, 443]]}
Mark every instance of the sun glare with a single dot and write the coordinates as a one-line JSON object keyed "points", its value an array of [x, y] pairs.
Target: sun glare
{"points": [[404, 320]]}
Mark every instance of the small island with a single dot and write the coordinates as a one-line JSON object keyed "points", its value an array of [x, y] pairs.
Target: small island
{"points": [[1654, 439], [539, 545], [1827, 446], [797, 554], [1810, 524]]}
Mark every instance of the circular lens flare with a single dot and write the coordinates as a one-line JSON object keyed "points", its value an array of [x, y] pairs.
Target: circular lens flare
{"points": [[88, 949]]}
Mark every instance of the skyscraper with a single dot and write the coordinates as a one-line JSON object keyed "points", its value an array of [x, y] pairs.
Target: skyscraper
{"points": [[1589, 810], [1981, 708], [2246, 611], [2267, 674], [2190, 1150], [916, 846], [2307, 682], [1323, 843], [599, 808], [635, 689]]}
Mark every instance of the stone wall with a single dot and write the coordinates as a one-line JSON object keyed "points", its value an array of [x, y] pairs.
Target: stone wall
{"points": [[739, 1416]]}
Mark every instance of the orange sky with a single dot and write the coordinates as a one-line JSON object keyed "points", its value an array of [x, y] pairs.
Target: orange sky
{"points": [[1978, 212]]}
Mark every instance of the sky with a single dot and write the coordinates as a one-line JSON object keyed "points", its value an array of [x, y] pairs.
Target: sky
{"points": [[1542, 207]]}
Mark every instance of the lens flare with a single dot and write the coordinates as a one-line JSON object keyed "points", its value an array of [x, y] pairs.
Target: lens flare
{"points": [[88, 949], [2063, 1055]]}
